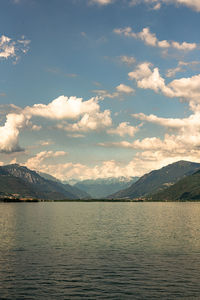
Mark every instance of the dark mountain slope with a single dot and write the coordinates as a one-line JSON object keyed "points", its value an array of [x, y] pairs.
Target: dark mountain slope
{"points": [[75, 190], [158, 179], [20, 180], [48, 176], [80, 194], [13, 185], [185, 189]]}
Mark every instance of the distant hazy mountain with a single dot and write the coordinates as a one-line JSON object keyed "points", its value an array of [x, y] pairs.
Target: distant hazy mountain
{"points": [[102, 187], [157, 180], [186, 189], [15, 179]]}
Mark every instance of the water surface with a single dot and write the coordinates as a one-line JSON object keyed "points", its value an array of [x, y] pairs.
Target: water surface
{"points": [[99, 250]]}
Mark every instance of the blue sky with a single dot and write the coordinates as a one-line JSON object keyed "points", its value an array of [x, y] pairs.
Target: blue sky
{"points": [[99, 88]]}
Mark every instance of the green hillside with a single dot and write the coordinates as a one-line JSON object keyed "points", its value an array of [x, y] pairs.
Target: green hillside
{"points": [[186, 189]]}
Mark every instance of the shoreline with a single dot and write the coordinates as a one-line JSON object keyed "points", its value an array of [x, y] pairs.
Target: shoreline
{"points": [[8, 200]]}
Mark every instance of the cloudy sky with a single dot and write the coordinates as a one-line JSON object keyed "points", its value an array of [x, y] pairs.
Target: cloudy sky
{"points": [[99, 88]]}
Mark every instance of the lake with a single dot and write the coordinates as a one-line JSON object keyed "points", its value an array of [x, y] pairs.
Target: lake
{"points": [[99, 250]]}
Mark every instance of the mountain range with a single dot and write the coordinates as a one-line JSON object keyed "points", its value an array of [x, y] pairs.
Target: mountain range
{"points": [[157, 180], [20, 181], [179, 181], [102, 187]]}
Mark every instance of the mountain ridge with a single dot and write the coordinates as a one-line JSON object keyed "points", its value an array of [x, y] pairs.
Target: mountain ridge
{"points": [[185, 189], [16, 179], [101, 187], [157, 179]]}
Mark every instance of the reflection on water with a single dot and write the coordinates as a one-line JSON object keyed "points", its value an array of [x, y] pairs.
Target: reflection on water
{"points": [[99, 250]]}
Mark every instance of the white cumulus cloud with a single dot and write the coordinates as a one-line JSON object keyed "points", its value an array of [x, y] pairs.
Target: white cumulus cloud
{"points": [[36, 162], [150, 39], [122, 88], [186, 88], [10, 131], [63, 108], [98, 121], [123, 129], [86, 114]]}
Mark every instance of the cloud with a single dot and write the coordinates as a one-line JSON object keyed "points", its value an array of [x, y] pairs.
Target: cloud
{"points": [[142, 71], [153, 152], [36, 162], [69, 170], [101, 2], [170, 146], [194, 4], [75, 135], [128, 60], [45, 143], [186, 131], [36, 127], [141, 163], [182, 141], [105, 94], [12, 49], [148, 79], [57, 71], [63, 108], [9, 108], [13, 161], [120, 90], [98, 121], [172, 123], [181, 67], [150, 39], [6, 47], [86, 114], [155, 4], [10, 131], [124, 129], [2, 94], [172, 72], [184, 88], [182, 137]]}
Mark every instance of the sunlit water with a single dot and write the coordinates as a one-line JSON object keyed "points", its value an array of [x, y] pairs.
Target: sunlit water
{"points": [[99, 251]]}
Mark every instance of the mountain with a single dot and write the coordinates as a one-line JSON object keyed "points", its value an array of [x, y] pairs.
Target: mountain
{"points": [[68, 187], [157, 180], [19, 180], [48, 176], [185, 189], [81, 194], [102, 187]]}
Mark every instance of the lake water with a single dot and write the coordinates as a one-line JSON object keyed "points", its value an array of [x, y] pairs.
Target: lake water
{"points": [[99, 251]]}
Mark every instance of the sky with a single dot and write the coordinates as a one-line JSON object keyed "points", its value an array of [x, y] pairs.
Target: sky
{"points": [[99, 88]]}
